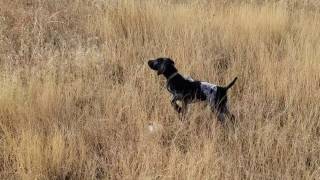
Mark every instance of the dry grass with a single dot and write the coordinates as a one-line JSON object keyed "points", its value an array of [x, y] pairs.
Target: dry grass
{"points": [[76, 95]]}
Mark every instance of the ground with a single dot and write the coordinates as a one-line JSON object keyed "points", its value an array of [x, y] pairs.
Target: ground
{"points": [[77, 97]]}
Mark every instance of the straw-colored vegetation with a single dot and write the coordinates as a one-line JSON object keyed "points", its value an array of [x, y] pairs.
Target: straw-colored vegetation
{"points": [[76, 94]]}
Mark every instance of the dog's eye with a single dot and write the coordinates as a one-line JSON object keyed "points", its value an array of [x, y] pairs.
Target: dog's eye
{"points": [[156, 64]]}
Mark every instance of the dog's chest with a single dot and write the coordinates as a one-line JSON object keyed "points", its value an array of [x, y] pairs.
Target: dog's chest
{"points": [[210, 90], [170, 89]]}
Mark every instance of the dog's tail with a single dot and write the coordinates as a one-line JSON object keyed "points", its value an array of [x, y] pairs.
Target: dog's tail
{"points": [[231, 84]]}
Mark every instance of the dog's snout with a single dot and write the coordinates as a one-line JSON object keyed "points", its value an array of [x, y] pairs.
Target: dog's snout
{"points": [[150, 63], [153, 64]]}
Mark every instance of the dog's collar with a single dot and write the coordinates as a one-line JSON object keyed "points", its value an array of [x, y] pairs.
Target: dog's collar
{"points": [[172, 76]]}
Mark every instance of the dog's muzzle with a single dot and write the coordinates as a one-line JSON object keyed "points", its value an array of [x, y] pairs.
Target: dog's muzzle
{"points": [[153, 64]]}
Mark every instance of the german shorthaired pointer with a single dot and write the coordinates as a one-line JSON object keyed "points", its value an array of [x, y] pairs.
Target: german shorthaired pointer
{"points": [[188, 90]]}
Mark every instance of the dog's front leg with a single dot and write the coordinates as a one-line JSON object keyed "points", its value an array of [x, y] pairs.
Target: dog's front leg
{"points": [[175, 105], [184, 107]]}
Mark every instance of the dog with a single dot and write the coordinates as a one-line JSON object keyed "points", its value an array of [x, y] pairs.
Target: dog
{"points": [[188, 90]]}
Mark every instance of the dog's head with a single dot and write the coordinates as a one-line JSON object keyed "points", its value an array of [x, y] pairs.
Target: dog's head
{"points": [[162, 65]]}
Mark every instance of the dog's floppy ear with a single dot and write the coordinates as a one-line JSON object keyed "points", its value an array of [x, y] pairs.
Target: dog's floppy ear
{"points": [[164, 64], [170, 60]]}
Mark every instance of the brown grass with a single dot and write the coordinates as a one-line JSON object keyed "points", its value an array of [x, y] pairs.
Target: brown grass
{"points": [[76, 95]]}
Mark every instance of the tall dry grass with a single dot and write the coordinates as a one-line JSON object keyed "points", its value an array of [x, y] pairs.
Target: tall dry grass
{"points": [[76, 95]]}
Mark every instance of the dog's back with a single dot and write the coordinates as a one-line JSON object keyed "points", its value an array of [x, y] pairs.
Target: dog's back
{"points": [[210, 90]]}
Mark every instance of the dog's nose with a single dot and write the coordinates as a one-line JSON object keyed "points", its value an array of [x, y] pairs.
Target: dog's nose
{"points": [[151, 64]]}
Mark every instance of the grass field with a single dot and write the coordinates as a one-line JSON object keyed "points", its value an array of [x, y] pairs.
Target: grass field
{"points": [[77, 96]]}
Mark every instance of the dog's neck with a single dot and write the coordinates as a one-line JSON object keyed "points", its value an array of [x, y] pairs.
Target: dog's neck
{"points": [[168, 82], [170, 71], [172, 76]]}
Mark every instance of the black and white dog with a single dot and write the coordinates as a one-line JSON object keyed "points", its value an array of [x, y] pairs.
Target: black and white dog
{"points": [[188, 90]]}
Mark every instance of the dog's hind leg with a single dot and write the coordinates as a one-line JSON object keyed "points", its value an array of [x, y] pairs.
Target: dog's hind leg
{"points": [[224, 113]]}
